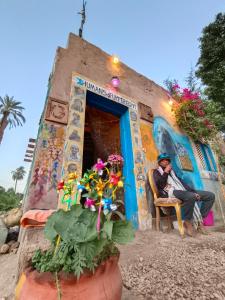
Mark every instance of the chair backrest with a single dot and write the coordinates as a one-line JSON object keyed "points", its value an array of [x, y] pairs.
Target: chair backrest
{"points": [[152, 184]]}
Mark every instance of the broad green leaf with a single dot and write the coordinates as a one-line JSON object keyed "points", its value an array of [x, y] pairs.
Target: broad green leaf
{"points": [[107, 228], [123, 232]]}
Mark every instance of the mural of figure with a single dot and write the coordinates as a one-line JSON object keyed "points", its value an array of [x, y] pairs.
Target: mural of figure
{"points": [[74, 153], [44, 144], [135, 128], [133, 116], [76, 120], [52, 131], [138, 158], [77, 105], [72, 168], [140, 175], [74, 136], [136, 141], [78, 91]]}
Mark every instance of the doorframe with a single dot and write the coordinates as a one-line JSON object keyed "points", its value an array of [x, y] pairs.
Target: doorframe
{"points": [[116, 109]]}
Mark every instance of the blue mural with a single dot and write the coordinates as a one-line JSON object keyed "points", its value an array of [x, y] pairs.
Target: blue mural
{"points": [[177, 145]]}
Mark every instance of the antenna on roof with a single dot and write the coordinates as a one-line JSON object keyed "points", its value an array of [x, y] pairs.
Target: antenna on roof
{"points": [[83, 18]]}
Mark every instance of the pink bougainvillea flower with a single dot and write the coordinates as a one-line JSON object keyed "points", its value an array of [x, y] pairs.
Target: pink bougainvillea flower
{"points": [[115, 158], [175, 86], [200, 113]]}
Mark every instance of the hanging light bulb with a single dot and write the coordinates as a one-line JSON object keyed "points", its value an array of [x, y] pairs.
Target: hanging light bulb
{"points": [[115, 81], [115, 59]]}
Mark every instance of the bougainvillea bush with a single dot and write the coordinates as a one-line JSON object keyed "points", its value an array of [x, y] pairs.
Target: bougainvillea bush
{"points": [[191, 114], [200, 118]]}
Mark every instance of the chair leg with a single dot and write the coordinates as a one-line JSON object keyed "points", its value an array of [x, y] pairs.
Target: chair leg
{"points": [[157, 218], [179, 219], [169, 223]]}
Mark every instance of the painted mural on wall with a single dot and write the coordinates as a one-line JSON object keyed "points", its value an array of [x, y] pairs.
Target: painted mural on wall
{"points": [[75, 133], [144, 217], [149, 147], [180, 150], [73, 150], [46, 170]]}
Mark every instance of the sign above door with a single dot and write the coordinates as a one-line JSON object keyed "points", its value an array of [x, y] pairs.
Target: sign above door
{"points": [[95, 88]]}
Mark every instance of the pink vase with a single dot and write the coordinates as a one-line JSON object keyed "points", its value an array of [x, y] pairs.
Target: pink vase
{"points": [[209, 219]]}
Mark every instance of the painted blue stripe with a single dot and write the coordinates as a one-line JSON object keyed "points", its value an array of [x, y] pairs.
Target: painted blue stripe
{"points": [[130, 198]]}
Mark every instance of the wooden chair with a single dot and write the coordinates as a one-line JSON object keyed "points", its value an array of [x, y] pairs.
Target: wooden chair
{"points": [[165, 202]]}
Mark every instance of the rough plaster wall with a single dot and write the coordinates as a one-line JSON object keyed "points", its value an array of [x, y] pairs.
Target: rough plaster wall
{"points": [[90, 61]]}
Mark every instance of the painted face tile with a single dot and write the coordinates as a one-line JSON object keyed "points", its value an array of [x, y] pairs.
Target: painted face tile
{"points": [[76, 120], [77, 105], [74, 136], [74, 153], [72, 168], [133, 116]]}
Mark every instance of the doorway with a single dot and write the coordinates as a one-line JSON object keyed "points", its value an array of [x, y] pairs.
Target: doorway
{"points": [[107, 131], [101, 136]]}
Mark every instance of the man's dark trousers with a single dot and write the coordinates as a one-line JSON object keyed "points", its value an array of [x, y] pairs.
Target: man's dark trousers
{"points": [[188, 201]]}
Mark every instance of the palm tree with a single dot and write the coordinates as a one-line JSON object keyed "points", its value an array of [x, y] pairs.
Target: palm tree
{"points": [[18, 174], [11, 112]]}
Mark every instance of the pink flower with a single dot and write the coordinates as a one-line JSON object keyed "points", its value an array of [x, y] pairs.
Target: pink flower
{"points": [[201, 113], [99, 166], [175, 87], [115, 158]]}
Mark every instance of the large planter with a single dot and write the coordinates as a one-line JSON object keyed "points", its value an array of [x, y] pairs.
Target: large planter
{"points": [[104, 284]]}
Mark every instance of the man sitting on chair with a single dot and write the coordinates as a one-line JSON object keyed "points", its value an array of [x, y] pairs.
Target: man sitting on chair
{"points": [[169, 185]]}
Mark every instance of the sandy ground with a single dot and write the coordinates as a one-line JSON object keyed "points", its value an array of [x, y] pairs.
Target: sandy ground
{"points": [[158, 266]]}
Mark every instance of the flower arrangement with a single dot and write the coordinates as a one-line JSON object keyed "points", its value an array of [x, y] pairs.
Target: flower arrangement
{"points": [[115, 159], [116, 162], [85, 234], [191, 114]]}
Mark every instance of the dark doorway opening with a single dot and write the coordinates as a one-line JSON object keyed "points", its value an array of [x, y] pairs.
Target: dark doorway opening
{"points": [[101, 136]]}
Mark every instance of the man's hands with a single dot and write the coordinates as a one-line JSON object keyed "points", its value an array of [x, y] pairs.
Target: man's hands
{"points": [[168, 168], [197, 196]]}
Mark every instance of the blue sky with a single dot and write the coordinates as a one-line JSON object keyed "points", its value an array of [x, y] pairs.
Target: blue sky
{"points": [[158, 38]]}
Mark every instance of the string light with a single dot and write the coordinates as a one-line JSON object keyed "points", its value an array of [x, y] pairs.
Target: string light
{"points": [[170, 102], [115, 59]]}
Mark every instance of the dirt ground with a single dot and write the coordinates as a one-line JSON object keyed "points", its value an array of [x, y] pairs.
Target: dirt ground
{"points": [[158, 266]]}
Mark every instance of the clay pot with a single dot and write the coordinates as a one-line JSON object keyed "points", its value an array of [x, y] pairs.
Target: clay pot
{"points": [[104, 284]]}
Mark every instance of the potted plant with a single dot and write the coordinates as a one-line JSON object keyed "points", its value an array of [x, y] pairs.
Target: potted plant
{"points": [[82, 262]]}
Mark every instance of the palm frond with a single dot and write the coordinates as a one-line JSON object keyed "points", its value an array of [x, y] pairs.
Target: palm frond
{"points": [[14, 110]]}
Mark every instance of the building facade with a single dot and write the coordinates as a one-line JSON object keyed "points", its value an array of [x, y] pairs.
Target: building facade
{"points": [[85, 118]]}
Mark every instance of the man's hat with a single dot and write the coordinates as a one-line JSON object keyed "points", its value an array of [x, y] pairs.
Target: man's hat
{"points": [[163, 156]]}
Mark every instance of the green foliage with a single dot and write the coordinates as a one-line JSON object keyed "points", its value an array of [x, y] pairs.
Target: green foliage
{"points": [[9, 199], [81, 246], [13, 111], [211, 64], [192, 82], [215, 112], [18, 174]]}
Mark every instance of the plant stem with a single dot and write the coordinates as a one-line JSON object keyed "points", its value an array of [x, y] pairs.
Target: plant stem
{"points": [[59, 294]]}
